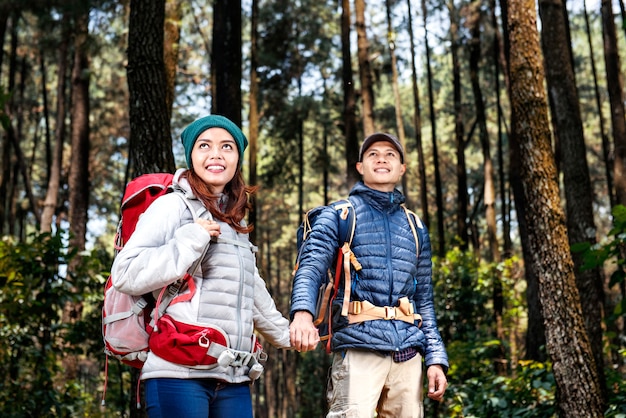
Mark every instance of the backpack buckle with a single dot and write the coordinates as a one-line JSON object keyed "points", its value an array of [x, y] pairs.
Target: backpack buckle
{"points": [[390, 312]]}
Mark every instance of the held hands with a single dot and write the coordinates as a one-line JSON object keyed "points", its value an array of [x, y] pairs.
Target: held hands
{"points": [[212, 227], [437, 382], [304, 335]]}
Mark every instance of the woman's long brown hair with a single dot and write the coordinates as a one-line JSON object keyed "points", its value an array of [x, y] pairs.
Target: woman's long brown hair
{"points": [[238, 203]]}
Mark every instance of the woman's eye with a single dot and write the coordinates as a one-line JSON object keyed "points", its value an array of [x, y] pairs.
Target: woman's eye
{"points": [[227, 146]]}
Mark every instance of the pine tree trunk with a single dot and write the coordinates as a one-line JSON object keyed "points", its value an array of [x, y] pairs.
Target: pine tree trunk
{"points": [[462, 226], [253, 114], [578, 190], [365, 72], [489, 196], [606, 147], [615, 90], [349, 100], [417, 124], [52, 193], [173, 18], [431, 106], [391, 42], [226, 60], [578, 390], [79, 163], [150, 136]]}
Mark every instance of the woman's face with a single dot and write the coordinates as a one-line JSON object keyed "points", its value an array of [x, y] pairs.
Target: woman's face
{"points": [[215, 158]]}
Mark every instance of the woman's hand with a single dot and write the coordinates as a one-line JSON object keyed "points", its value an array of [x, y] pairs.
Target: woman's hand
{"points": [[212, 227]]}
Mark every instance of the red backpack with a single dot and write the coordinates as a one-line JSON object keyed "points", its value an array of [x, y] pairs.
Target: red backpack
{"points": [[127, 320]]}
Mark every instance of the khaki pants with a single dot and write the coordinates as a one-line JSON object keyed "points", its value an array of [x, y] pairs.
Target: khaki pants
{"points": [[365, 384]]}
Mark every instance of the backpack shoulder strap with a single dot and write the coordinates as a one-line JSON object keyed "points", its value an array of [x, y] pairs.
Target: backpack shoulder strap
{"points": [[196, 207], [347, 221], [414, 222]]}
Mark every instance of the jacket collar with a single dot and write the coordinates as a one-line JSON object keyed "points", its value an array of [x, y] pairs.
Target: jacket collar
{"points": [[383, 201]]}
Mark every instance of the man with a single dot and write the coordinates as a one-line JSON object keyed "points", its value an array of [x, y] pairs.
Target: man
{"points": [[387, 327]]}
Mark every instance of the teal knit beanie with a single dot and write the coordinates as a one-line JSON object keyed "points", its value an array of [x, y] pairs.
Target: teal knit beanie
{"points": [[193, 131]]}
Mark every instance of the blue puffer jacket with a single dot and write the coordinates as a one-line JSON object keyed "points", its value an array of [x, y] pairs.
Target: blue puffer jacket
{"points": [[384, 245]]}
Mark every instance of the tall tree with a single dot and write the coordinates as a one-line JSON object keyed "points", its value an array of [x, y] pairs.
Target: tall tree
{"points": [[433, 135], [462, 228], [391, 42], [615, 89], [499, 63], [150, 136], [417, 123], [54, 181], [78, 180], [226, 60], [253, 114], [349, 101], [4, 143], [173, 17], [606, 146], [489, 194], [365, 72], [578, 190], [578, 390]]}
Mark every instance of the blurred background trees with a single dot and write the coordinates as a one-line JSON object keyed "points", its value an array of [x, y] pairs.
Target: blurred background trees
{"points": [[512, 114]]}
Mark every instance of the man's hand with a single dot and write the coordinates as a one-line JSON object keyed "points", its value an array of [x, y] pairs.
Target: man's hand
{"points": [[437, 382], [304, 335]]}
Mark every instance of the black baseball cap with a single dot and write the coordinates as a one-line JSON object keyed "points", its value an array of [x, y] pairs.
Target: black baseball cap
{"points": [[381, 136]]}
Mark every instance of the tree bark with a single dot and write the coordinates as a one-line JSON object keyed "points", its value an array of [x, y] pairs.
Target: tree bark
{"points": [[433, 132], [615, 89], [578, 390], [173, 18], [417, 123], [578, 190], [365, 72], [54, 181], [391, 42], [462, 225], [349, 101], [253, 115], [150, 136], [498, 63], [226, 60], [489, 193], [489, 196], [606, 147]]}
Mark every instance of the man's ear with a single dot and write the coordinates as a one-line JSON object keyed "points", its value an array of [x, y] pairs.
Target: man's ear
{"points": [[359, 167]]}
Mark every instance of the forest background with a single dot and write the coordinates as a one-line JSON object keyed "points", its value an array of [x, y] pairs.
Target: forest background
{"points": [[512, 115]]}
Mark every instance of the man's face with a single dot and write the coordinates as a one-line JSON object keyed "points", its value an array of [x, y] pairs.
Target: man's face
{"points": [[381, 167]]}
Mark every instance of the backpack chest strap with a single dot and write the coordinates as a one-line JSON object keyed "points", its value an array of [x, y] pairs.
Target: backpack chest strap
{"points": [[360, 311]]}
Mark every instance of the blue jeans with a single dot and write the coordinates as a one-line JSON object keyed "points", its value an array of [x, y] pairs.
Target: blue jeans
{"points": [[197, 398]]}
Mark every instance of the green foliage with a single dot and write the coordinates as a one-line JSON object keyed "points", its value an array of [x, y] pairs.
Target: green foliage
{"points": [[613, 250], [34, 289], [529, 394], [617, 390], [312, 382], [464, 287]]}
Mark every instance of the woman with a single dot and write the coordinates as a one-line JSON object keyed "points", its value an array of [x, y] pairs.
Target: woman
{"points": [[226, 300]]}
